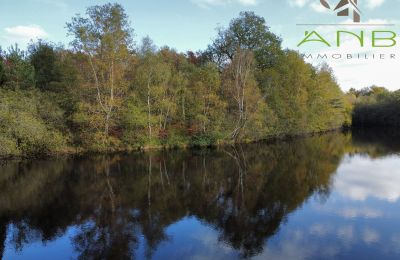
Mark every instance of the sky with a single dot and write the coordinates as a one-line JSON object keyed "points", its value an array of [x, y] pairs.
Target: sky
{"points": [[190, 25]]}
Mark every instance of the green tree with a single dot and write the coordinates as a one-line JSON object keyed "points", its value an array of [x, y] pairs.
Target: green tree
{"points": [[326, 98], [242, 91], [2, 69], [43, 57], [206, 107], [105, 39], [303, 98], [247, 32], [376, 106], [151, 76], [150, 72], [285, 86], [18, 72]]}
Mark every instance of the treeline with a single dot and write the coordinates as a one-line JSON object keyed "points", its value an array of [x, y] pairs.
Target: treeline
{"points": [[376, 106], [107, 93]]}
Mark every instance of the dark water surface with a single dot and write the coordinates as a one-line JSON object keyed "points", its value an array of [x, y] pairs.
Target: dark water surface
{"points": [[335, 196]]}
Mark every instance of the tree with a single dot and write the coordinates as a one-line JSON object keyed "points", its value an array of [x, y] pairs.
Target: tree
{"points": [[206, 105], [2, 69], [105, 39], [241, 88], [148, 75], [166, 92], [43, 58], [304, 98], [376, 106], [18, 72], [151, 75], [325, 98], [247, 32]]}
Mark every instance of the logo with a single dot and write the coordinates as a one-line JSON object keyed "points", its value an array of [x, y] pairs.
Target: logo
{"points": [[345, 8], [379, 39]]}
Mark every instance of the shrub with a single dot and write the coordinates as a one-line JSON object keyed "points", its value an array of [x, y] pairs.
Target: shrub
{"points": [[8, 147], [22, 128], [204, 140]]}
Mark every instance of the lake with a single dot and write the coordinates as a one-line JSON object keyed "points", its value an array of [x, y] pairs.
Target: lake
{"points": [[331, 196]]}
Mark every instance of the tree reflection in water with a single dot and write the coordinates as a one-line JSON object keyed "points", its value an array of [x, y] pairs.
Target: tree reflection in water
{"points": [[243, 192]]}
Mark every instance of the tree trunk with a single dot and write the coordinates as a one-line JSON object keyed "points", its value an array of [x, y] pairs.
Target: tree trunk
{"points": [[149, 108], [107, 126]]}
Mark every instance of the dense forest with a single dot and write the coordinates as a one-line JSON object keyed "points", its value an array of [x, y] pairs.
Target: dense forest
{"points": [[107, 92]]}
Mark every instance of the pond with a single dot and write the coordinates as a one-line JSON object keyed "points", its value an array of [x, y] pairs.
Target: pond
{"points": [[331, 196]]}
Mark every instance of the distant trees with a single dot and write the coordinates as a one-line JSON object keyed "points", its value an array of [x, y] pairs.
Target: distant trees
{"points": [[107, 94], [376, 106]]}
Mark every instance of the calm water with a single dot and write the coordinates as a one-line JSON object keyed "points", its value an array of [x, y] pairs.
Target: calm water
{"points": [[335, 196]]}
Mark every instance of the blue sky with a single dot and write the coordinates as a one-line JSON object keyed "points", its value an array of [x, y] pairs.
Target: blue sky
{"points": [[190, 24]]}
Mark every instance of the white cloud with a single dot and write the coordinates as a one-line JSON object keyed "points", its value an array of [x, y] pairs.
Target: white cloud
{"points": [[208, 3], [248, 2], [361, 178], [372, 4], [370, 236], [25, 32], [314, 5], [317, 7], [298, 3], [360, 212], [346, 233], [320, 230], [22, 34]]}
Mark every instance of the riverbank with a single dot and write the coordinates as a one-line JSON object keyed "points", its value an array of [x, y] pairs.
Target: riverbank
{"points": [[79, 151]]}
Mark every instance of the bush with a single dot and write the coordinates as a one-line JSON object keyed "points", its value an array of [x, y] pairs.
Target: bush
{"points": [[8, 147], [22, 128], [204, 140]]}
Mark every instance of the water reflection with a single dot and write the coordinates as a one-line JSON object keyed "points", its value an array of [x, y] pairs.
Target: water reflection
{"points": [[244, 201]]}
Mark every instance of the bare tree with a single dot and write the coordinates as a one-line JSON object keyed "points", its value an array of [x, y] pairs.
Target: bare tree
{"points": [[238, 82]]}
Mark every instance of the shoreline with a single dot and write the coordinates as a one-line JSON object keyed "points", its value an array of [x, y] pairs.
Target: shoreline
{"points": [[79, 152]]}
